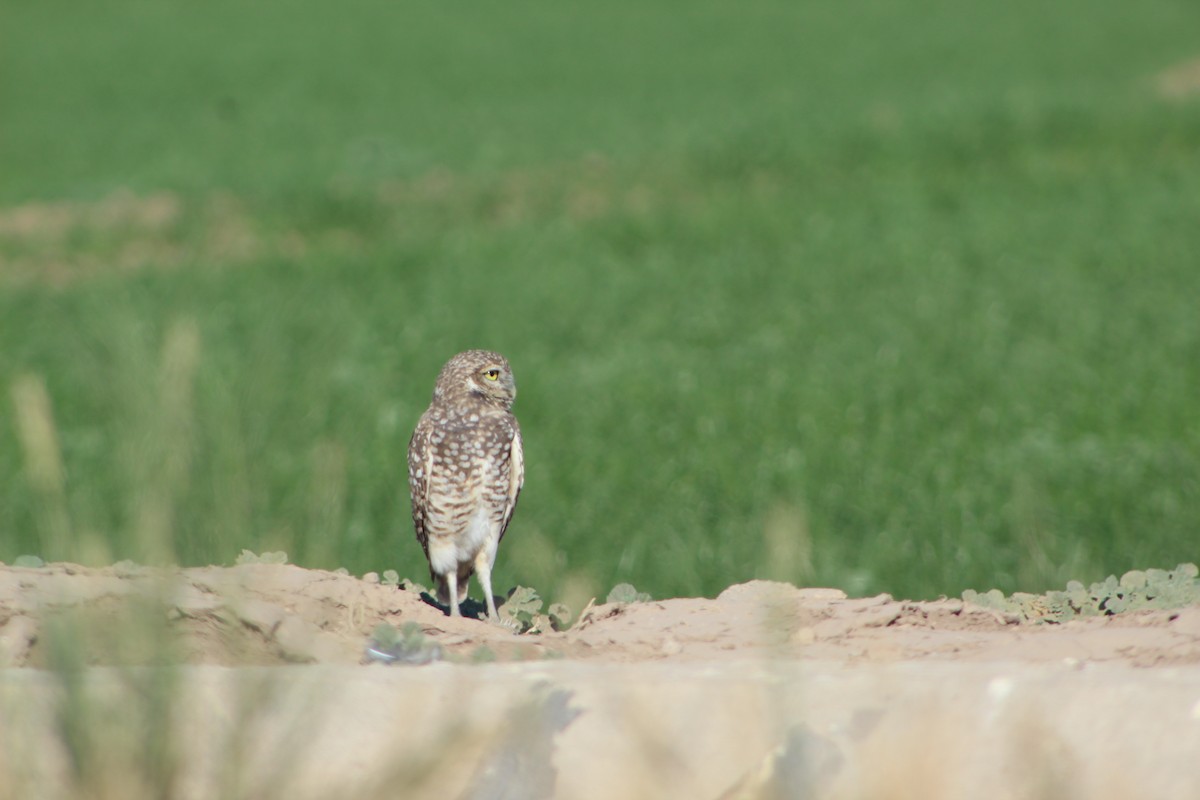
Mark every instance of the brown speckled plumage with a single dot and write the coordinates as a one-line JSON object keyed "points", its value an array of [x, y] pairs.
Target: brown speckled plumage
{"points": [[465, 471]]}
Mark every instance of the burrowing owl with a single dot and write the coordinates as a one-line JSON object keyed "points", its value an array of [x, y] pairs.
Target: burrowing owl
{"points": [[465, 471]]}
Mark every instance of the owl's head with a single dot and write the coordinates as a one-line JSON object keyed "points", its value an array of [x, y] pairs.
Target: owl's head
{"points": [[477, 374]]}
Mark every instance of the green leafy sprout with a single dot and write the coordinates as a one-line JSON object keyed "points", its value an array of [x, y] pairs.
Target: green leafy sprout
{"points": [[1134, 591], [625, 593], [249, 557]]}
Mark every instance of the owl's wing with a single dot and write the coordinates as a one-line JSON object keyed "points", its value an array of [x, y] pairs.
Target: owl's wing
{"points": [[420, 462], [516, 478]]}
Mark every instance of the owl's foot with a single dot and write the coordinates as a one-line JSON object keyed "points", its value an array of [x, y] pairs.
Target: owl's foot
{"points": [[508, 623]]}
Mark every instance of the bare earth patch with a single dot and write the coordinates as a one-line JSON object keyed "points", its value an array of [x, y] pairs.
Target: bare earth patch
{"points": [[1180, 81], [279, 613], [64, 242]]}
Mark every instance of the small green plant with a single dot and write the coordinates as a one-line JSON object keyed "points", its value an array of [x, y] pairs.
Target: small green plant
{"points": [[625, 593], [409, 585], [482, 655], [249, 557], [522, 610], [1135, 590], [408, 645], [560, 616]]}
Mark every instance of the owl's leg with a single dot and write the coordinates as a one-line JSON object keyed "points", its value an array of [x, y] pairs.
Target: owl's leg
{"points": [[452, 584], [483, 568]]}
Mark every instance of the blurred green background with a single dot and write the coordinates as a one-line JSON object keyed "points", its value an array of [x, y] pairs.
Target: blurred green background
{"points": [[889, 296]]}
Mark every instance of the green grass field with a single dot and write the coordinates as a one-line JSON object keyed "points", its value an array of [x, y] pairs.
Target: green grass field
{"points": [[886, 296]]}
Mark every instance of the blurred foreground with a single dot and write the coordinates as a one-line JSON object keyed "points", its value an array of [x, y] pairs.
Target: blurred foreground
{"points": [[767, 691]]}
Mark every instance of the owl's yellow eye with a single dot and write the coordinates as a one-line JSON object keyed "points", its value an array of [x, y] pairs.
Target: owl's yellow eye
{"points": [[492, 374]]}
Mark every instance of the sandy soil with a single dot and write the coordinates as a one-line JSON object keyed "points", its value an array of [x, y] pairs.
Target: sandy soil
{"points": [[266, 614]]}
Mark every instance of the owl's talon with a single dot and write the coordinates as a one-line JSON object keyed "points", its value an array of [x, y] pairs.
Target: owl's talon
{"points": [[508, 623]]}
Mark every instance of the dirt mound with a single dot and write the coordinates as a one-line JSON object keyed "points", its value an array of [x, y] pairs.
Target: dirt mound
{"points": [[264, 614]]}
